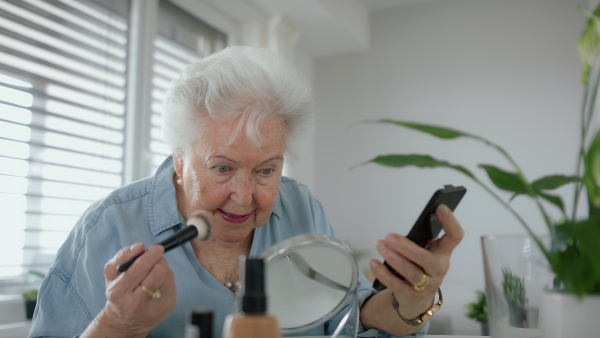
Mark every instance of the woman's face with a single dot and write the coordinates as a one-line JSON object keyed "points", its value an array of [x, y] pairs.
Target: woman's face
{"points": [[236, 183]]}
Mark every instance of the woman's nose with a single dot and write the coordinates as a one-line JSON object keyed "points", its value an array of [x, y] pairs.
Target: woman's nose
{"points": [[242, 191]]}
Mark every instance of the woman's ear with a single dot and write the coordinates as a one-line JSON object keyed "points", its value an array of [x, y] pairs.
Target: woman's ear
{"points": [[178, 165]]}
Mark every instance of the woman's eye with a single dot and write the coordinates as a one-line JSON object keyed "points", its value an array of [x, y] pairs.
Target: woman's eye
{"points": [[266, 172], [222, 169]]}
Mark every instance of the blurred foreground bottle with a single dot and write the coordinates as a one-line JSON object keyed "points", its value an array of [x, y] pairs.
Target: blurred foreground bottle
{"points": [[253, 321], [200, 325]]}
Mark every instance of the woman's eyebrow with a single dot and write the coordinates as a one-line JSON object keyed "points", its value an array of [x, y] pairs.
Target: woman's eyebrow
{"points": [[274, 158], [223, 157]]}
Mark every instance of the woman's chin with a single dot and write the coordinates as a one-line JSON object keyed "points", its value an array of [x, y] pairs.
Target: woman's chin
{"points": [[232, 234]]}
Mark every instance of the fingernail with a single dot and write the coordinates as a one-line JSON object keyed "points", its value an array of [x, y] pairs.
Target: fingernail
{"points": [[444, 209], [373, 264], [391, 239], [135, 247], [380, 246]]}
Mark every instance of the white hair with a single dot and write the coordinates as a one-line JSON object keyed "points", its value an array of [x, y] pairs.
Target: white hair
{"points": [[245, 82]]}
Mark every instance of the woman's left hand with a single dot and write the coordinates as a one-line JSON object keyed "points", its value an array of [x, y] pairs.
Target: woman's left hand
{"points": [[424, 269]]}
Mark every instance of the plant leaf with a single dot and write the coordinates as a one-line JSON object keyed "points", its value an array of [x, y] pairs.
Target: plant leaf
{"points": [[588, 234], [589, 45], [505, 180], [429, 129], [556, 200], [552, 182], [592, 171], [422, 161], [574, 256], [445, 133]]}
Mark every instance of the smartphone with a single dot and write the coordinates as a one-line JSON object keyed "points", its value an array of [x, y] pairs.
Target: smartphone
{"points": [[427, 226]]}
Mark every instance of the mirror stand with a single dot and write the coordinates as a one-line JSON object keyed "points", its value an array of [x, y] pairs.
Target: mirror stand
{"points": [[356, 307]]}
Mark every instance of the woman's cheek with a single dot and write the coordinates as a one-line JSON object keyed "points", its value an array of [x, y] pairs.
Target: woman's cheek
{"points": [[270, 196]]}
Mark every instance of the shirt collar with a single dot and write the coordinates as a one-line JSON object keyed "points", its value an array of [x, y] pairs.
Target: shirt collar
{"points": [[162, 207]]}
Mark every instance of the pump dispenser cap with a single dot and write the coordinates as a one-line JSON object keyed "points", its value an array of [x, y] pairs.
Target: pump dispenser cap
{"points": [[254, 299], [204, 321]]}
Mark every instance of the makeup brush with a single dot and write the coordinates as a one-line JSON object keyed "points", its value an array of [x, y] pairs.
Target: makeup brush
{"points": [[198, 227]]}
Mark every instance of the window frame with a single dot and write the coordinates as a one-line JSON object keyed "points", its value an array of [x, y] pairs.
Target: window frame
{"points": [[138, 111], [144, 20]]}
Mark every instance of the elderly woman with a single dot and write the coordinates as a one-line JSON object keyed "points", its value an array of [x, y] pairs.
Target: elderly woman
{"points": [[231, 119]]}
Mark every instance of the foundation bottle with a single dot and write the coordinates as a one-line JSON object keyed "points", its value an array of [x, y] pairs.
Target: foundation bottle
{"points": [[252, 321], [200, 325]]}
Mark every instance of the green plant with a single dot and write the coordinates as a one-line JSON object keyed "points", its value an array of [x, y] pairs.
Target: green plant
{"points": [[573, 255], [37, 275], [30, 295], [513, 288], [356, 252], [31, 285], [478, 310]]}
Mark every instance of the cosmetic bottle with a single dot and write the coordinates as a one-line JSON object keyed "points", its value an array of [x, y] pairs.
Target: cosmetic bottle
{"points": [[200, 325], [252, 321]]}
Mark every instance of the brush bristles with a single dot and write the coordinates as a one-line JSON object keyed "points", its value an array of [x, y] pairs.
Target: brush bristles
{"points": [[202, 224]]}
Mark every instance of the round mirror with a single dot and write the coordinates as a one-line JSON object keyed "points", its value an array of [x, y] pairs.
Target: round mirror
{"points": [[309, 279]]}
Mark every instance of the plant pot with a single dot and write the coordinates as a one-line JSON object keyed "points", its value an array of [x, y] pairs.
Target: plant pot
{"points": [[29, 308], [517, 315], [485, 329], [562, 315]]}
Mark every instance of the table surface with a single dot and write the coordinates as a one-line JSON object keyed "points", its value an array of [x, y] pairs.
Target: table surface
{"points": [[428, 336], [435, 336]]}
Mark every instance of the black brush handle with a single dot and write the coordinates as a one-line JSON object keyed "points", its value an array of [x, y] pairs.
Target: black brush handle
{"points": [[180, 237]]}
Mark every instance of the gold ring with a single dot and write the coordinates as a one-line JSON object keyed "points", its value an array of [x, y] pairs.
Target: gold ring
{"points": [[421, 284], [155, 294]]}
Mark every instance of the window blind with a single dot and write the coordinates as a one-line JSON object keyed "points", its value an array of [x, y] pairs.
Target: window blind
{"points": [[62, 106], [181, 38]]}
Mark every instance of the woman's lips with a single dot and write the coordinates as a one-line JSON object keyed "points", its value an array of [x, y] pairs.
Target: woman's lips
{"points": [[234, 218]]}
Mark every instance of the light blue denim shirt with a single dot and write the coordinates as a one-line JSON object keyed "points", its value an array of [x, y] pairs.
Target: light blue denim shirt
{"points": [[72, 293]]}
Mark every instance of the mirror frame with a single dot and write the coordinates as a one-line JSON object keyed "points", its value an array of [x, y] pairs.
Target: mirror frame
{"points": [[289, 245]]}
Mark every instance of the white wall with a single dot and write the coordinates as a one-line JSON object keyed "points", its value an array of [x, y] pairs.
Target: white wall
{"points": [[302, 168], [506, 70]]}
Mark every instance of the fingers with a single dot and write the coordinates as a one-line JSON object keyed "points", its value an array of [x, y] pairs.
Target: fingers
{"points": [[387, 277], [144, 264], [158, 288], [119, 284], [408, 259], [157, 277], [414, 262], [142, 296], [453, 232], [409, 269], [125, 254]]}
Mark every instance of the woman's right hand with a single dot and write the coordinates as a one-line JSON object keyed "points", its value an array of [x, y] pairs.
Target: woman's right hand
{"points": [[131, 310]]}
